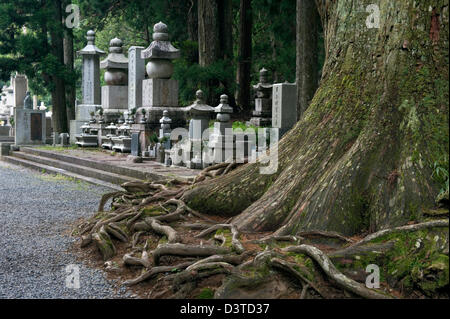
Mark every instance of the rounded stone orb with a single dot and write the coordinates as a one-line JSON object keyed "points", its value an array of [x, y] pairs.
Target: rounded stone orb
{"points": [[223, 117], [116, 77], [159, 69]]}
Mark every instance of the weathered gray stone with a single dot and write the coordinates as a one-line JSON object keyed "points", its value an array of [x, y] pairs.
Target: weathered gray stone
{"points": [[64, 139], [221, 147], [20, 88], [75, 129], [160, 93], [30, 126], [5, 149], [90, 86], [91, 71], [116, 64], [4, 130], [201, 115], [161, 53], [262, 116], [114, 97], [136, 74], [28, 102], [284, 106]]}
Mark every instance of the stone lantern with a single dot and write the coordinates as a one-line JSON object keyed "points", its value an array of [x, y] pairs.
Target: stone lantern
{"points": [[199, 124], [262, 115], [221, 141], [164, 132], [110, 132], [87, 138]]}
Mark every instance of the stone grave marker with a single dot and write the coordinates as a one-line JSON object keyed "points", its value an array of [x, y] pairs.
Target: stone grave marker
{"points": [[284, 106]]}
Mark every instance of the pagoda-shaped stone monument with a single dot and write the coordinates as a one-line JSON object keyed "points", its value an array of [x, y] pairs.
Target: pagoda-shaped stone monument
{"points": [[159, 90], [90, 85], [262, 115], [115, 92]]}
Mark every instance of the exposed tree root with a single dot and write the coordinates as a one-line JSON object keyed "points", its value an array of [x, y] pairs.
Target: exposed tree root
{"points": [[105, 198], [155, 271], [155, 209], [289, 268], [318, 233], [331, 271], [236, 244], [187, 250], [407, 228], [213, 171], [104, 244]]}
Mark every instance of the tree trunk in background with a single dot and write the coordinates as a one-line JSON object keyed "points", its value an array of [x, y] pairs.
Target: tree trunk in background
{"points": [[307, 54], [215, 39], [58, 89], [69, 63], [361, 157], [226, 29], [192, 22], [243, 74], [208, 32]]}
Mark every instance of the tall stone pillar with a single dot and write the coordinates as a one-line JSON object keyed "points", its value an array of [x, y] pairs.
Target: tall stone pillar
{"points": [[136, 74], [90, 85], [20, 88]]}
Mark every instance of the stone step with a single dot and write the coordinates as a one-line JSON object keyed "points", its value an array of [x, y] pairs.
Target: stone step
{"points": [[77, 169], [133, 173], [58, 171]]}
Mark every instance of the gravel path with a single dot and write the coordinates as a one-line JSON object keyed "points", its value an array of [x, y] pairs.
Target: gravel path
{"points": [[36, 211]]}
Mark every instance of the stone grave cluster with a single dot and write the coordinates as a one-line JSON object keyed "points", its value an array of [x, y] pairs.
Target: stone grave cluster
{"points": [[137, 110], [22, 119]]}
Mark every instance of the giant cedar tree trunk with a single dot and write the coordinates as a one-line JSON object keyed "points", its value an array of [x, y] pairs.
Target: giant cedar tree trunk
{"points": [[307, 54], [360, 157]]}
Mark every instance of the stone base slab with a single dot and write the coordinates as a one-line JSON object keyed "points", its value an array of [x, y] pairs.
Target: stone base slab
{"points": [[115, 97], [160, 93]]}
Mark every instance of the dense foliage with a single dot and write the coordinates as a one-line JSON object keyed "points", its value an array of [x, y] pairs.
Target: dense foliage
{"points": [[132, 21]]}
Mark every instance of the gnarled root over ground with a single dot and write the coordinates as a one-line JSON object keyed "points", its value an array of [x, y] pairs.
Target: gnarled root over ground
{"points": [[171, 251]]}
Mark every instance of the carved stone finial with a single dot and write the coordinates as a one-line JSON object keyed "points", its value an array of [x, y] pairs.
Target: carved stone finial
{"points": [[160, 32], [200, 96], [90, 36], [115, 46]]}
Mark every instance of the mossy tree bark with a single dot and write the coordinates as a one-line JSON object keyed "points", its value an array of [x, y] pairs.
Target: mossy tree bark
{"points": [[307, 75], [360, 159]]}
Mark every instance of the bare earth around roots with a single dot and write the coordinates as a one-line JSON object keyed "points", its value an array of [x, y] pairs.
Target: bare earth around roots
{"points": [[161, 248]]}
